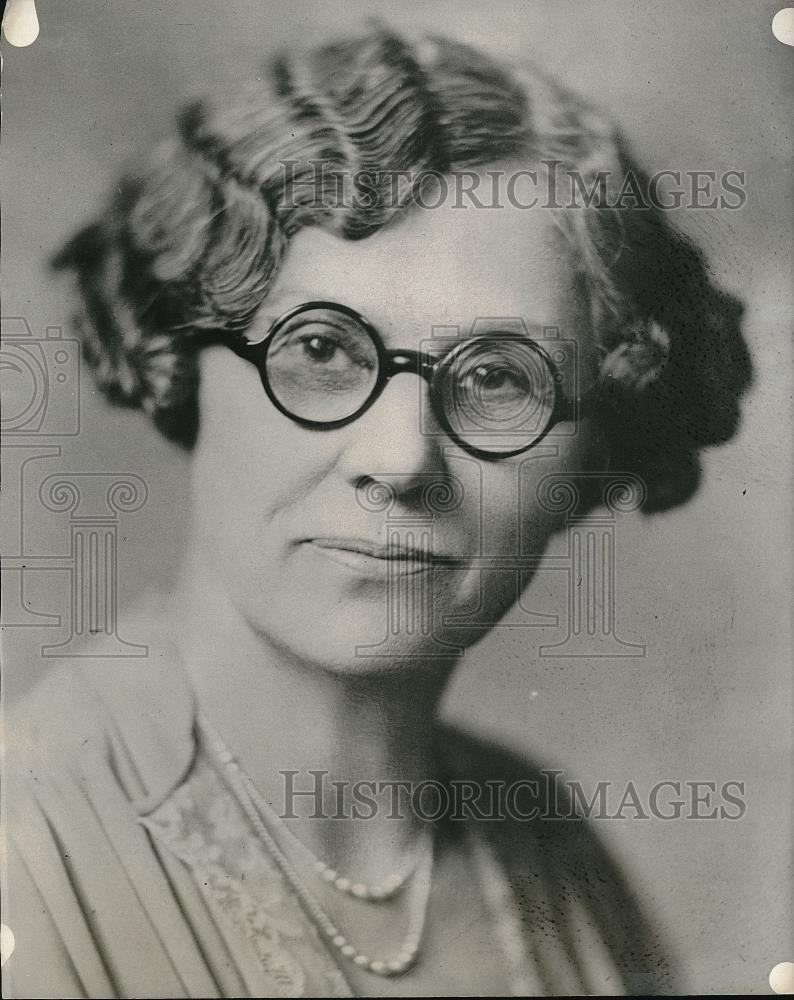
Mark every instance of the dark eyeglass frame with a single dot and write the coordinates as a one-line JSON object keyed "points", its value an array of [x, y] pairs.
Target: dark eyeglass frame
{"points": [[398, 361]]}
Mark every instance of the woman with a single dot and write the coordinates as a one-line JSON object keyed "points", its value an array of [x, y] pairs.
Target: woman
{"points": [[358, 368]]}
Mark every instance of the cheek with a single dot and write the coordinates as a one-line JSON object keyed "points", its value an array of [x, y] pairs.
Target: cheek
{"points": [[562, 484], [249, 458], [244, 471], [520, 507], [236, 416]]}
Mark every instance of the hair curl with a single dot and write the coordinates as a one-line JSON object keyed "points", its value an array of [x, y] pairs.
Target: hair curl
{"points": [[189, 246]]}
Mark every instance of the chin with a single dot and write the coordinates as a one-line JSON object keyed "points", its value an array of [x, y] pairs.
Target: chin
{"points": [[351, 624], [356, 638]]}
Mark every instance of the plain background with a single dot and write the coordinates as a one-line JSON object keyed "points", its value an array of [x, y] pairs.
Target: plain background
{"points": [[695, 86]]}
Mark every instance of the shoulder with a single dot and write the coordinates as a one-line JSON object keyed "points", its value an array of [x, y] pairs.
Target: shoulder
{"points": [[89, 746], [527, 809], [84, 716], [568, 881]]}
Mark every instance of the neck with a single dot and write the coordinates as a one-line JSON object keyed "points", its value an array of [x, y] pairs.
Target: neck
{"points": [[284, 719]]}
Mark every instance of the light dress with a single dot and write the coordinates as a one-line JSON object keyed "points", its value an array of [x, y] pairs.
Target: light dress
{"points": [[131, 870]]}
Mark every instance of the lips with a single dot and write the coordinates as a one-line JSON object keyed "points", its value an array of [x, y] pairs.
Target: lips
{"points": [[362, 551]]}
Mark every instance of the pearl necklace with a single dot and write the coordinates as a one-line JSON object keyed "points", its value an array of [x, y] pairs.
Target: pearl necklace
{"points": [[391, 886], [409, 951]]}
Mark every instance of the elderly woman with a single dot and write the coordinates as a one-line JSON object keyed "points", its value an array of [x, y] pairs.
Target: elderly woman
{"points": [[358, 362]]}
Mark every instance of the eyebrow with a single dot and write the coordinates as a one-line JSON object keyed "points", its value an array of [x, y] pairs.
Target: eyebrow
{"points": [[274, 306], [282, 301], [298, 292]]}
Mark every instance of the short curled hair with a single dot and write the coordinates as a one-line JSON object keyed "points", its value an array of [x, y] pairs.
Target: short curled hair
{"points": [[189, 246]]}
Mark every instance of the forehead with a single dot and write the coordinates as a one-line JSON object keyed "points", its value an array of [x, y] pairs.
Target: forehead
{"points": [[442, 266]]}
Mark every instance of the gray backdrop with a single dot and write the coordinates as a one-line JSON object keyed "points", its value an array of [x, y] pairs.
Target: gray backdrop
{"points": [[695, 85]]}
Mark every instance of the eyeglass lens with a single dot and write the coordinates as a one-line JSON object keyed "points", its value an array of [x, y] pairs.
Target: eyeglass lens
{"points": [[322, 365]]}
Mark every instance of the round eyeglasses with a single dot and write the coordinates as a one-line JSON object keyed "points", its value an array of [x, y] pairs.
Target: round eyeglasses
{"points": [[496, 395]]}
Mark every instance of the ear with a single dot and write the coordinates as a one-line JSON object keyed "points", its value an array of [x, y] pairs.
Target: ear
{"points": [[637, 361]]}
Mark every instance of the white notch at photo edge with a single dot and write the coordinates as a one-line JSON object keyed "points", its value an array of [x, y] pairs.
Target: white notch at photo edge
{"points": [[21, 23]]}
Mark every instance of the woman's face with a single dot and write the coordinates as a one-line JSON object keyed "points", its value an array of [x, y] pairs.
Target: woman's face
{"points": [[281, 515]]}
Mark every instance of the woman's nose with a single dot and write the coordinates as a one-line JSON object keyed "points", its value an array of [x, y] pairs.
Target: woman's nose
{"points": [[397, 441]]}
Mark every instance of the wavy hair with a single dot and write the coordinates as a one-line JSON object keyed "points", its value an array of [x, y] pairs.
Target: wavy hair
{"points": [[189, 245]]}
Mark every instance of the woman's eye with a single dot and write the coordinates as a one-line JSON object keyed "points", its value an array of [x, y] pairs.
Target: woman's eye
{"points": [[501, 380], [319, 348], [332, 349], [496, 379]]}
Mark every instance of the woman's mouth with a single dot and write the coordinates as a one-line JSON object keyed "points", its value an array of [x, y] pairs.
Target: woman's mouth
{"points": [[377, 559]]}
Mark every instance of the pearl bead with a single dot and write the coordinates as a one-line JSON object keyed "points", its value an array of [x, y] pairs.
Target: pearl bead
{"points": [[340, 940], [342, 884], [329, 875], [360, 890], [361, 960], [320, 866], [395, 966], [348, 950], [377, 967]]}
